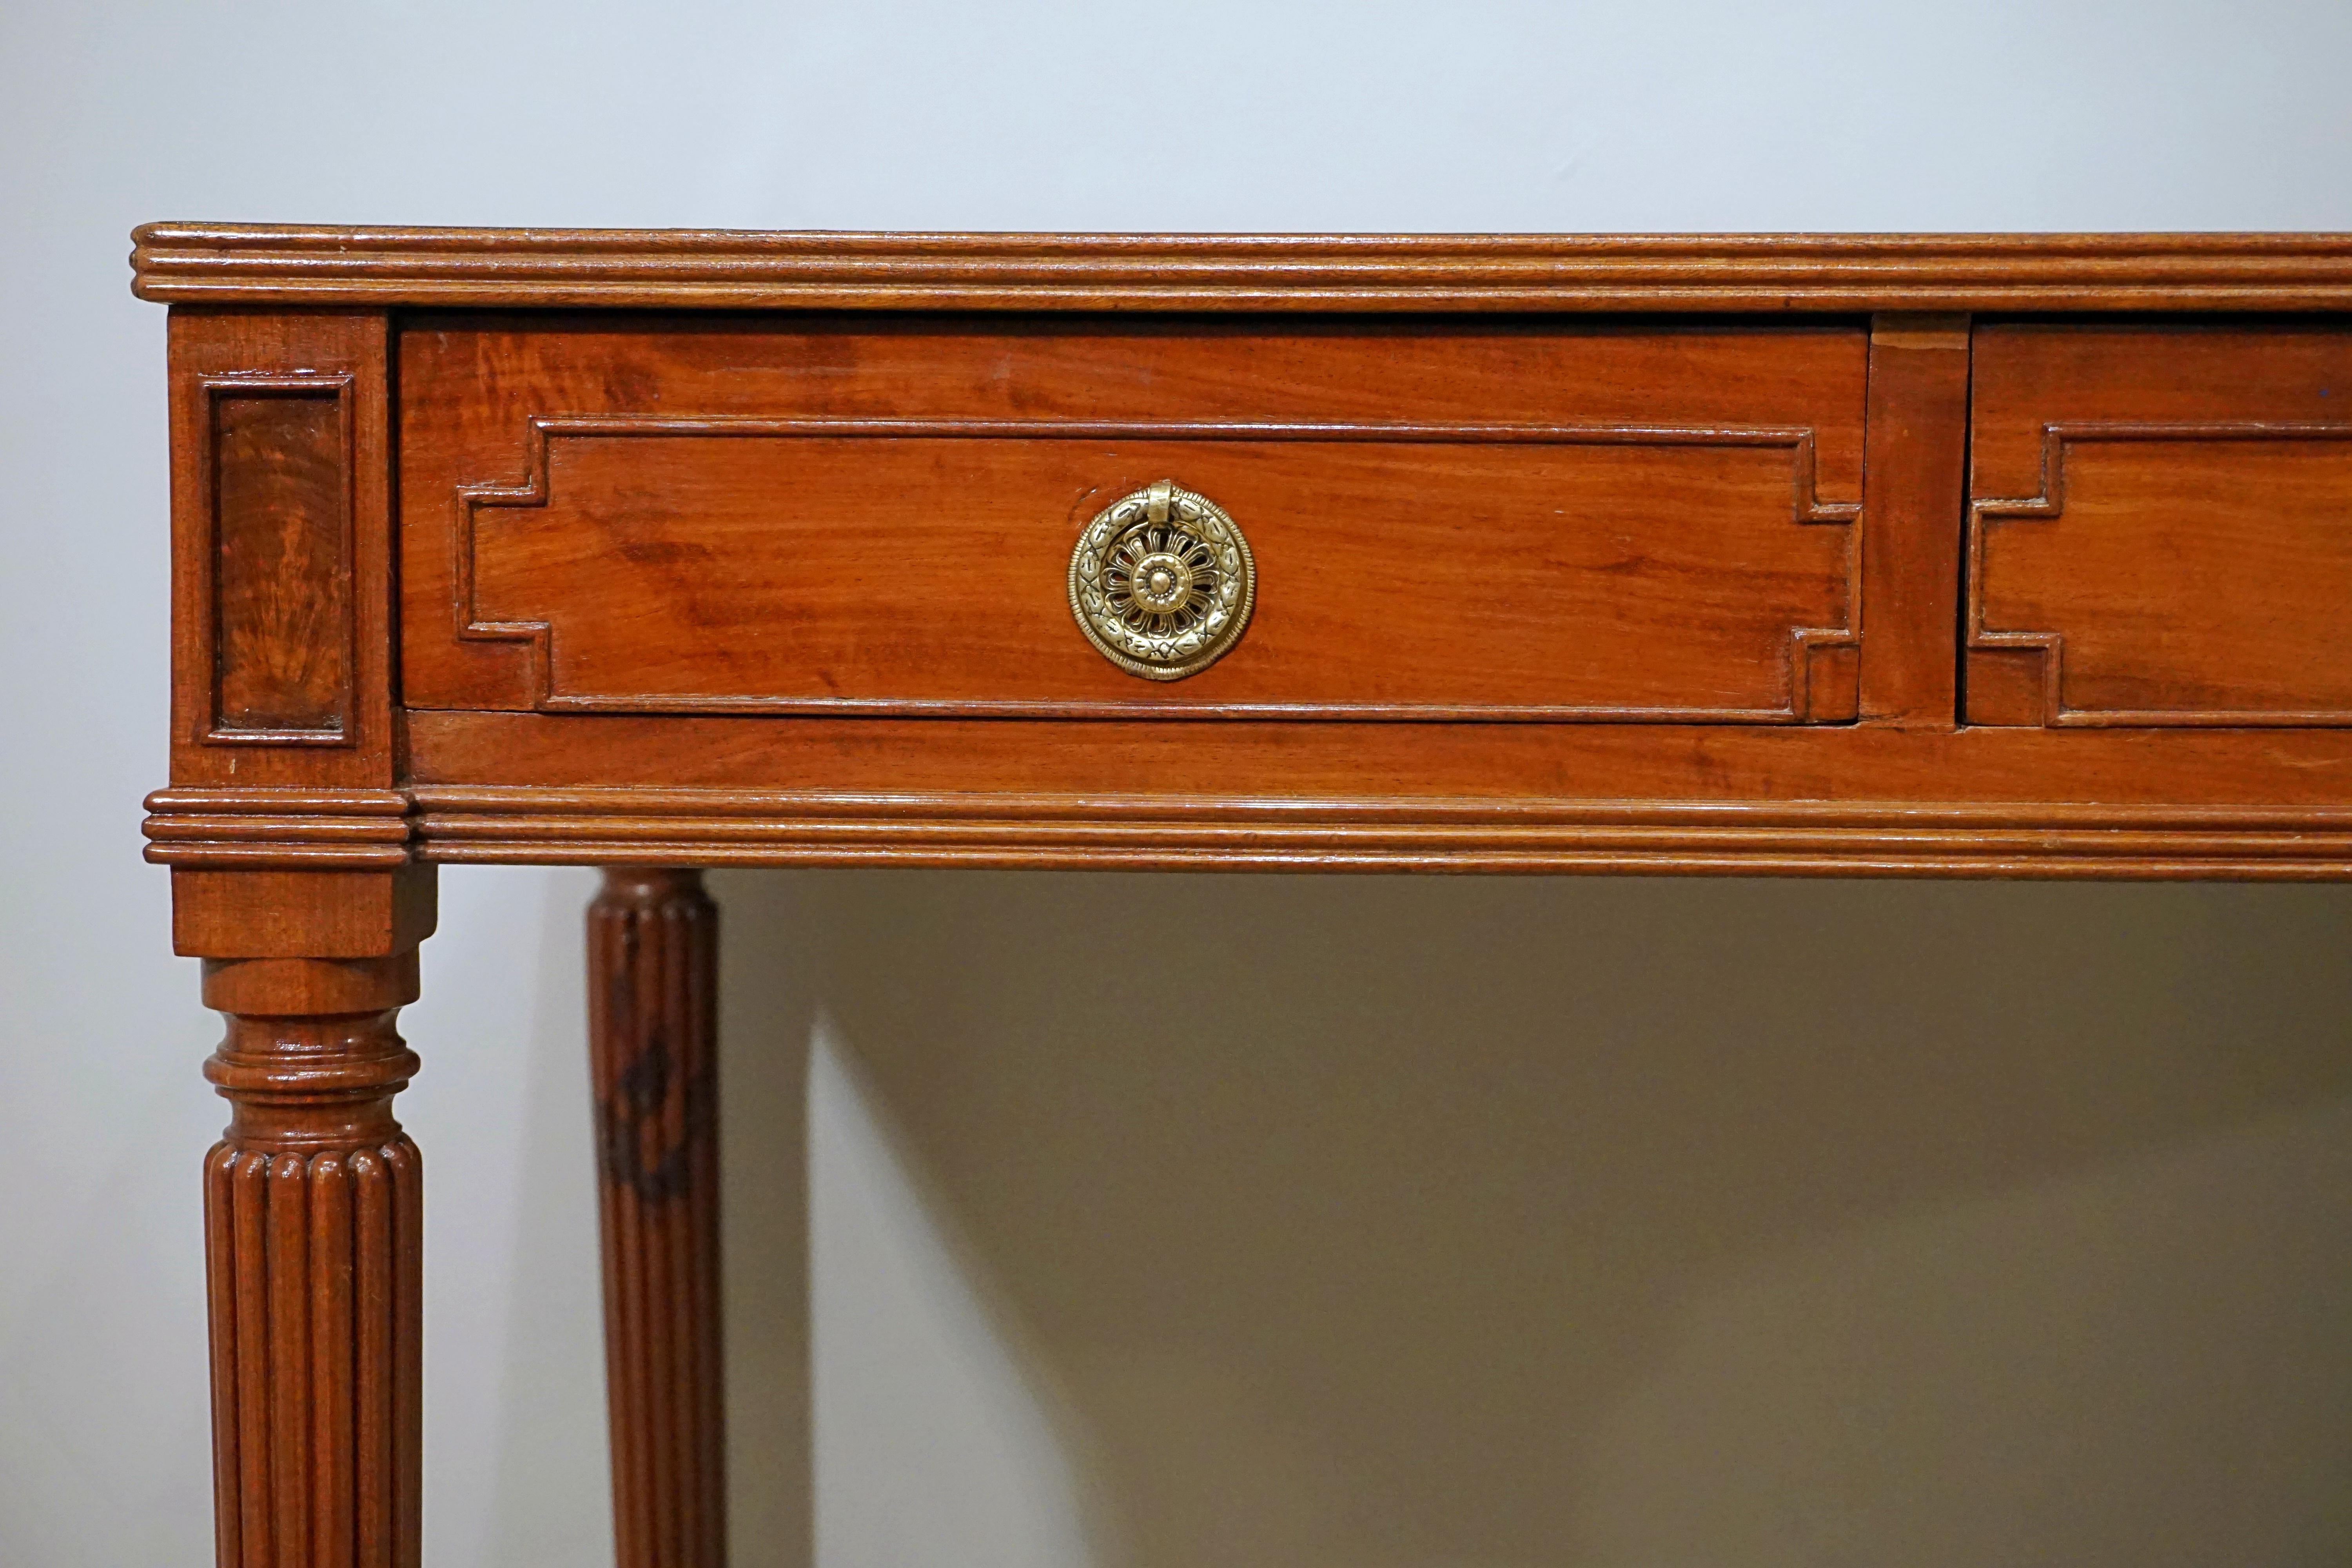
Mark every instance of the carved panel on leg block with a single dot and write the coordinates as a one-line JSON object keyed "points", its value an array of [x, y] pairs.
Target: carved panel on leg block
{"points": [[282, 601], [281, 551], [651, 988]]}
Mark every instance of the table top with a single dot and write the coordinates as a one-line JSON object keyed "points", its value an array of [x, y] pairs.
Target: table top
{"points": [[734, 269]]}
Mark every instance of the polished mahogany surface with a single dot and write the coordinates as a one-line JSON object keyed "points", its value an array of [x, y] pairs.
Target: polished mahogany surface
{"points": [[2157, 524], [835, 517], [1973, 555]]}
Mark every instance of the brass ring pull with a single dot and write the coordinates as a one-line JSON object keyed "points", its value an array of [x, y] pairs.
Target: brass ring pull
{"points": [[1161, 581]]}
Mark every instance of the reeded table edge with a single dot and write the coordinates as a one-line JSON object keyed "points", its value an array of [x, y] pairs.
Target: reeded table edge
{"points": [[727, 269], [284, 829]]}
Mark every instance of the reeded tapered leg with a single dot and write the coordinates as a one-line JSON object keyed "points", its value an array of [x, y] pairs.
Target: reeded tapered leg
{"points": [[289, 833], [313, 1207], [652, 1020]]}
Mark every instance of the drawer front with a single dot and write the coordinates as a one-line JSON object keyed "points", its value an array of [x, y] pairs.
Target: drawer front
{"points": [[841, 516], [2161, 526]]}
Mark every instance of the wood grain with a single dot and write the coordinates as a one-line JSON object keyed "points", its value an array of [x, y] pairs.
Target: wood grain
{"points": [[652, 959], [1513, 573], [1736, 800], [1627, 524], [1413, 763], [285, 265], [2158, 533], [281, 610], [282, 549], [1911, 521]]}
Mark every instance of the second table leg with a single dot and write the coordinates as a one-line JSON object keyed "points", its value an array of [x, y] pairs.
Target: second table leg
{"points": [[653, 960]]}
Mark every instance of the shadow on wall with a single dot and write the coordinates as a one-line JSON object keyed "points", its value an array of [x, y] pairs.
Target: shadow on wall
{"points": [[1163, 1221]]}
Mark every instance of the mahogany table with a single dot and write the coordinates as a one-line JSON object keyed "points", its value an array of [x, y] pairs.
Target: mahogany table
{"points": [[1915, 556]]}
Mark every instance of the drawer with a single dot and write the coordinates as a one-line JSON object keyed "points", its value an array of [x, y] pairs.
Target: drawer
{"points": [[864, 516], [2160, 525]]}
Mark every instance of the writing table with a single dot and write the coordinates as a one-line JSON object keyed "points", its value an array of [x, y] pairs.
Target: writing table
{"points": [[1874, 555]]}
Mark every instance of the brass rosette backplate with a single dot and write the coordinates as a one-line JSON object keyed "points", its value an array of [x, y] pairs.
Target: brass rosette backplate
{"points": [[1162, 583]]}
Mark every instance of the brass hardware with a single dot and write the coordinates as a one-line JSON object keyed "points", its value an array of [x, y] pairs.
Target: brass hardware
{"points": [[1161, 581]]}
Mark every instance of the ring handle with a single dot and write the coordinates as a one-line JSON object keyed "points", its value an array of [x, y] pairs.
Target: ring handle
{"points": [[1163, 582]]}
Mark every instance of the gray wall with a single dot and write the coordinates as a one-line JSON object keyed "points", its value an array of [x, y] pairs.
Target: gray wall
{"points": [[1536, 1224]]}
